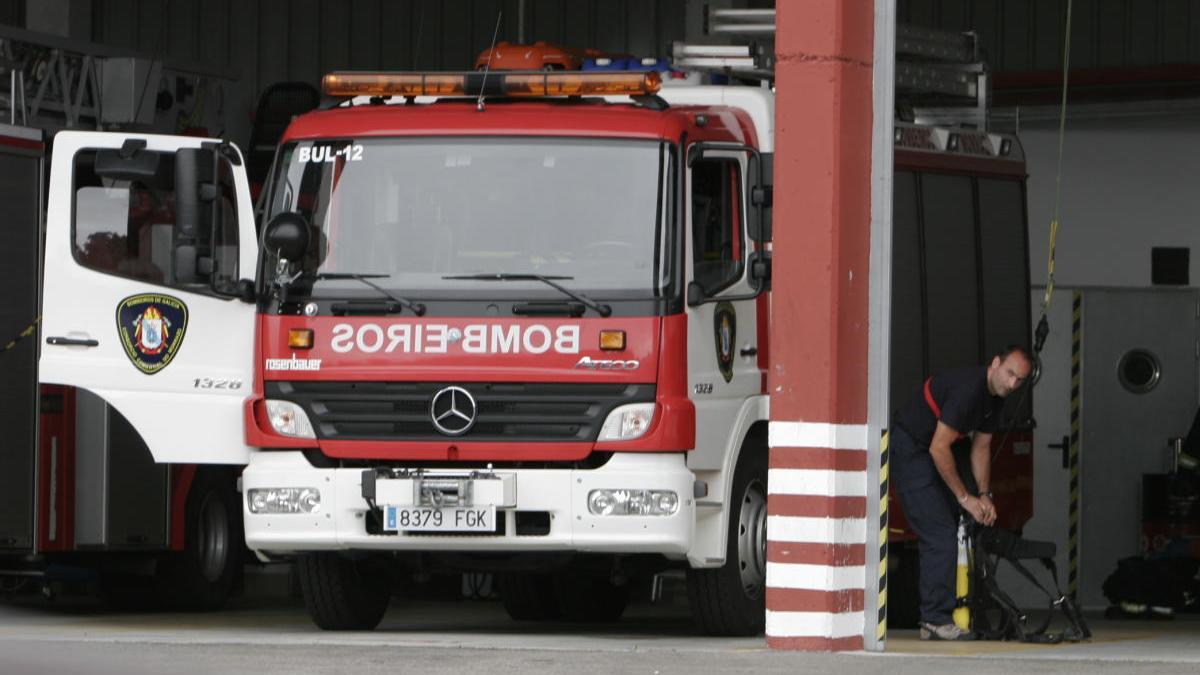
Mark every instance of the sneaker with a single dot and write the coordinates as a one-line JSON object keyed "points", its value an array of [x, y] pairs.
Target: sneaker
{"points": [[946, 631]]}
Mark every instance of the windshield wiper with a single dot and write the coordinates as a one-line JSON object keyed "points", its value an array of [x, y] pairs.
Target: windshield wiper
{"points": [[601, 309], [414, 307]]}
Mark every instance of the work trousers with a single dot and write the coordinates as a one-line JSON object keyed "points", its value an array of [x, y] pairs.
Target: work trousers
{"points": [[932, 512]]}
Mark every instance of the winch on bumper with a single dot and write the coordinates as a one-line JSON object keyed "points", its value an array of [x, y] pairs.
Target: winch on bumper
{"points": [[290, 506]]}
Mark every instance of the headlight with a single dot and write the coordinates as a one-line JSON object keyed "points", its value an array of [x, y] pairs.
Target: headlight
{"points": [[627, 422], [633, 502], [289, 419], [284, 500]]}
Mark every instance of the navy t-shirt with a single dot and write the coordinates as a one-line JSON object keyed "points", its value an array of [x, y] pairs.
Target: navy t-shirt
{"points": [[965, 402]]}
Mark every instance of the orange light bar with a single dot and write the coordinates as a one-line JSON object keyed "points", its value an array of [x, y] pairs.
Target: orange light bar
{"points": [[582, 84], [394, 84], [300, 338], [508, 83], [612, 340]]}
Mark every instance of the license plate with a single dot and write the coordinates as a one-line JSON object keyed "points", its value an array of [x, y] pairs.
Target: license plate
{"points": [[440, 519]]}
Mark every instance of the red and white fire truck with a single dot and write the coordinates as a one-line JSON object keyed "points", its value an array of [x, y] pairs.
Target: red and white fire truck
{"points": [[508, 321]]}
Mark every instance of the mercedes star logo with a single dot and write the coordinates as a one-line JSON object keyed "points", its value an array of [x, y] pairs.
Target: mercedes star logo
{"points": [[453, 411]]}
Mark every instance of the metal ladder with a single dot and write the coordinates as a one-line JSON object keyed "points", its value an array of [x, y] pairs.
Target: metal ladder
{"points": [[940, 77]]}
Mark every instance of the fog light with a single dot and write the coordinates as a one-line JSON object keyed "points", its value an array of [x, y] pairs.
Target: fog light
{"points": [[627, 422], [289, 419], [633, 502], [284, 500]]}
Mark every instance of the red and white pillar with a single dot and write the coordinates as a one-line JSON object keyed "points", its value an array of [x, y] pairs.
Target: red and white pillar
{"points": [[817, 528]]}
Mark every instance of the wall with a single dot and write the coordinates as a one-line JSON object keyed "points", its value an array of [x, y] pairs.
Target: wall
{"points": [[1025, 35], [268, 41], [302, 39], [1127, 185], [246, 45]]}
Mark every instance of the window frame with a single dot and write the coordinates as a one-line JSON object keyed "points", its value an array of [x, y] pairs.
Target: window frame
{"points": [[667, 266], [742, 244], [203, 288]]}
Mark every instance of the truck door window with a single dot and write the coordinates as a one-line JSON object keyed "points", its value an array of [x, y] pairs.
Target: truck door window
{"points": [[127, 227], [716, 223]]}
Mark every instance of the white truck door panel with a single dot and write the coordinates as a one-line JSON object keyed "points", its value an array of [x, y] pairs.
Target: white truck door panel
{"points": [[127, 312], [723, 367]]}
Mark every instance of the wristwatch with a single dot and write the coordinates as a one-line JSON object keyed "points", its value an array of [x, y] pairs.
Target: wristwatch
{"points": [[987, 494]]}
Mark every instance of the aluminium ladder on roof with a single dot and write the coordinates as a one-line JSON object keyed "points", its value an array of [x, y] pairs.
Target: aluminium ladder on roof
{"points": [[940, 76]]}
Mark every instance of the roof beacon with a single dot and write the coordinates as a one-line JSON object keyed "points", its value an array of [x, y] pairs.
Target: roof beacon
{"points": [[510, 84]]}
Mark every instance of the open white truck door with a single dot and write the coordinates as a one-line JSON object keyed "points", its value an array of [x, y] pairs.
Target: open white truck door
{"points": [[148, 239]]}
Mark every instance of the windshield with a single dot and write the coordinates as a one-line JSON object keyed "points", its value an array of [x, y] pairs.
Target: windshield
{"points": [[416, 211]]}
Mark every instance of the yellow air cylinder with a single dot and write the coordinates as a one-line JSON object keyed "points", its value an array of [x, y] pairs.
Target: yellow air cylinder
{"points": [[962, 613]]}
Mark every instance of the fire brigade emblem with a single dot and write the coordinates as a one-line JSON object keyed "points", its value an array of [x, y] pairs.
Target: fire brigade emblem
{"points": [[151, 327], [725, 333]]}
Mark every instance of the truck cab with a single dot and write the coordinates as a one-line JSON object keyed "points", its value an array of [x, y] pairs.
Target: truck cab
{"points": [[529, 328]]}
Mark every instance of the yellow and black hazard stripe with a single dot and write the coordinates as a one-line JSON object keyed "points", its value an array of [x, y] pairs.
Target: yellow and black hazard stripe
{"points": [[881, 628], [26, 332], [1073, 452]]}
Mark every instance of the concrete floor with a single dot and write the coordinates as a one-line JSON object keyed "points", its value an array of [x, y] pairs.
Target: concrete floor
{"points": [[271, 633]]}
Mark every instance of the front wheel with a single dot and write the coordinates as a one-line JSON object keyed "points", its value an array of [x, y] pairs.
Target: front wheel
{"points": [[343, 593], [731, 599], [203, 575]]}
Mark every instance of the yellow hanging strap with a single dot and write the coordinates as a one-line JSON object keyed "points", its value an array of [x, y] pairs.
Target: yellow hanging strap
{"points": [[26, 332], [1043, 327]]}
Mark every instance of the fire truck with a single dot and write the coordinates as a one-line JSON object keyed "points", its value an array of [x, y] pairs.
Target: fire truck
{"points": [[502, 321], [85, 502]]}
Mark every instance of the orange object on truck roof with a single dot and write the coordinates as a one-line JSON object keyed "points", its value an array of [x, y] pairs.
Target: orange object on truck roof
{"points": [[538, 56]]}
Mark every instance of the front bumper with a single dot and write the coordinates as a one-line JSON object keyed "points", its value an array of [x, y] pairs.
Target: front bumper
{"points": [[341, 521]]}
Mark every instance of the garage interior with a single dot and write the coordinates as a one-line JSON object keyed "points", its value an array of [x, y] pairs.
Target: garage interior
{"points": [[1106, 472]]}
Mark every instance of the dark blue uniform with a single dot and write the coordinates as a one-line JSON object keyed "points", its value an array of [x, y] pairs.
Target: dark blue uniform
{"points": [[965, 405]]}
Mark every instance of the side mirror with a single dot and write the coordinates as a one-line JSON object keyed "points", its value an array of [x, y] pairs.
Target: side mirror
{"points": [[760, 269], [761, 197], [696, 295], [245, 291], [758, 225], [194, 190], [287, 236], [185, 264]]}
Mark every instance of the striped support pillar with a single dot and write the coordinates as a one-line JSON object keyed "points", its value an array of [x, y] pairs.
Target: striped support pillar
{"points": [[817, 484]]}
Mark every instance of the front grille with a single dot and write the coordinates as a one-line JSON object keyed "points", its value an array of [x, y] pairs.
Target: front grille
{"points": [[400, 411]]}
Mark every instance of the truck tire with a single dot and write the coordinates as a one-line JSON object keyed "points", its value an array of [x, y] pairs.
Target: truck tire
{"points": [[203, 575], [528, 597], [730, 600], [342, 593], [590, 598]]}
